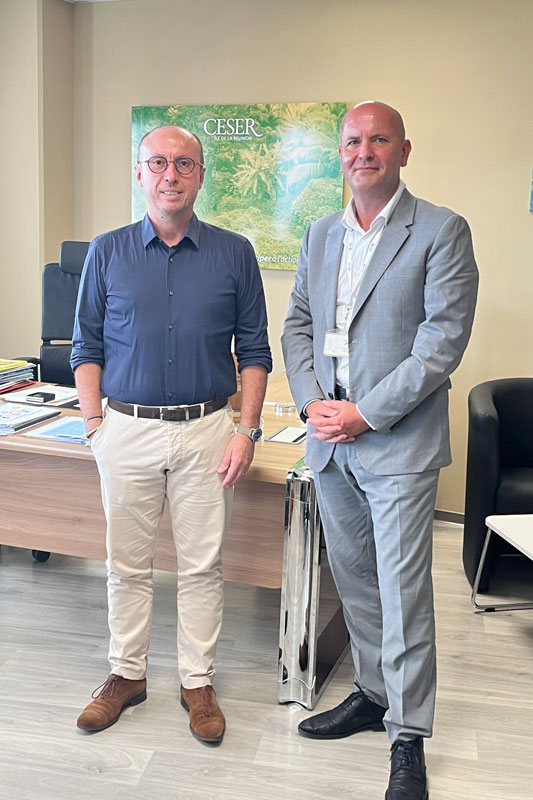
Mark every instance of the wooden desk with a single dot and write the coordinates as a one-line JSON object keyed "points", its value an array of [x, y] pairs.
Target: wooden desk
{"points": [[50, 500]]}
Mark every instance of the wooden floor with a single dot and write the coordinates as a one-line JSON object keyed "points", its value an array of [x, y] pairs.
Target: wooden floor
{"points": [[53, 641]]}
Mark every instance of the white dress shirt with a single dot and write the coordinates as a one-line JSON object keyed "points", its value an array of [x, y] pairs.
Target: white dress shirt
{"points": [[359, 247]]}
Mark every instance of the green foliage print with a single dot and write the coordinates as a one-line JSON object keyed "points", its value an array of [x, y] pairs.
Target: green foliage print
{"points": [[271, 169]]}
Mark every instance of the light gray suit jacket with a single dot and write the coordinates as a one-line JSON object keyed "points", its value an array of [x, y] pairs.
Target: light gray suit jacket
{"points": [[411, 324]]}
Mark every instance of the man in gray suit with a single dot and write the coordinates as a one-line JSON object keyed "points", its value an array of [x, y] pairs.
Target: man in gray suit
{"points": [[380, 315]]}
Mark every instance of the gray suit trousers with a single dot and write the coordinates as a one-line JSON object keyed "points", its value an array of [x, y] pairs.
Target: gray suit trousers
{"points": [[379, 531]]}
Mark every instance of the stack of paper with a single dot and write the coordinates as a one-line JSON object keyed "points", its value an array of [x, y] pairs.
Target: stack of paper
{"points": [[61, 395], [66, 429], [14, 373], [13, 416]]}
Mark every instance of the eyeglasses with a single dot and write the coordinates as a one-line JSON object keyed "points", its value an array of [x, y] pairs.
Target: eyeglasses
{"points": [[183, 164]]}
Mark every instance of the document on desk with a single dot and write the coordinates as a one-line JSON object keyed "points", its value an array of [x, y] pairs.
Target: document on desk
{"points": [[290, 434], [48, 395], [67, 429], [13, 416]]}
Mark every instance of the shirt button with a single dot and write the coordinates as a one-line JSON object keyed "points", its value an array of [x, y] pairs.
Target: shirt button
{"points": [[170, 360], [171, 327], [171, 293]]}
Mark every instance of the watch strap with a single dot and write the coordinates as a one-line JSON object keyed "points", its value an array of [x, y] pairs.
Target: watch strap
{"points": [[254, 434]]}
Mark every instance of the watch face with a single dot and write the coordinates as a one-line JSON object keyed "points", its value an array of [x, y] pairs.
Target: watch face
{"points": [[255, 434]]}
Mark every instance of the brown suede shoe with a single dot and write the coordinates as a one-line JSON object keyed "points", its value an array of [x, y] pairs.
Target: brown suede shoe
{"points": [[111, 698], [207, 721]]}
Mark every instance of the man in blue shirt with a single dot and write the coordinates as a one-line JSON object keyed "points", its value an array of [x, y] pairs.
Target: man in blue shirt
{"points": [[160, 302]]}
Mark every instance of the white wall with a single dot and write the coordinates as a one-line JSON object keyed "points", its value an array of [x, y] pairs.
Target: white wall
{"points": [[21, 171], [57, 125], [36, 142]]}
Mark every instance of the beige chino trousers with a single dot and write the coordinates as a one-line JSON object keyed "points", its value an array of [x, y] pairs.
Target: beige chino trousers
{"points": [[141, 462]]}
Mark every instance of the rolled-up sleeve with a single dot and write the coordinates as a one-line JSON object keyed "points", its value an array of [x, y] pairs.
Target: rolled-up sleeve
{"points": [[251, 337], [87, 337]]}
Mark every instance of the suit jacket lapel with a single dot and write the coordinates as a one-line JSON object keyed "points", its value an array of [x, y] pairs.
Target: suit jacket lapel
{"points": [[395, 233], [332, 260]]}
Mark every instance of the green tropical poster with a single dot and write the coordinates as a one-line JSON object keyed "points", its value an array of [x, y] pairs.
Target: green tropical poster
{"points": [[271, 169]]}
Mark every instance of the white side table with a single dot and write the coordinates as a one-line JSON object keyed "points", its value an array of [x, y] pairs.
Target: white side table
{"points": [[516, 529]]}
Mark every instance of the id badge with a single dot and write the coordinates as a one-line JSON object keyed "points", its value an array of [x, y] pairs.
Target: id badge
{"points": [[336, 343]]}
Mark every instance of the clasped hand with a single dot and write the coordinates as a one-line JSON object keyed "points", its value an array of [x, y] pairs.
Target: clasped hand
{"points": [[335, 420]]}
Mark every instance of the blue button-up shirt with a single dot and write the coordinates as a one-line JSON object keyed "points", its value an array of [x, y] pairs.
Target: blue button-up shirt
{"points": [[159, 320]]}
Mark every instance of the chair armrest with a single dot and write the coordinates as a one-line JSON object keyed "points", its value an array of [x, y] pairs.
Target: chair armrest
{"points": [[484, 438], [482, 475]]}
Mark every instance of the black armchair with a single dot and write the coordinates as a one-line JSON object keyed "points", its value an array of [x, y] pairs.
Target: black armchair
{"points": [[499, 473], [60, 283]]}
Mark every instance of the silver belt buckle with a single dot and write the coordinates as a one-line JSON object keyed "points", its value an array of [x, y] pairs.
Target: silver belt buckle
{"points": [[162, 410]]}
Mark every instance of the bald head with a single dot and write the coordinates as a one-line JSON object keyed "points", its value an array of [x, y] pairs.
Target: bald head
{"points": [[144, 144], [372, 107]]}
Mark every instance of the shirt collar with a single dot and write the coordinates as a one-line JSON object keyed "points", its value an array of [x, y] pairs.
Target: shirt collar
{"points": [[349, 218], [148, 233]]}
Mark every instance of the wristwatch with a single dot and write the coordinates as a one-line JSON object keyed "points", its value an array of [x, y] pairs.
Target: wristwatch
{"points": [[253, 433]]}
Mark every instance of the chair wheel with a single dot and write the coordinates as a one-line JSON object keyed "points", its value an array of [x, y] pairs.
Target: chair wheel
{"points": [[40, 555]]}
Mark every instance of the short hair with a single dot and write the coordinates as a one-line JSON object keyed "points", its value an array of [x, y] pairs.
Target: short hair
{"points": [[179, 128]]}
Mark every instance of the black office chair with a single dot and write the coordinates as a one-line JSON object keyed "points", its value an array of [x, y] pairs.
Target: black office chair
{"points": [[60, 283], [499, 473]]}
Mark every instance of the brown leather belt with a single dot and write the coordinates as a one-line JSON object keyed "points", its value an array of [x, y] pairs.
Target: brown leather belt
{"points": [[168, 413]]}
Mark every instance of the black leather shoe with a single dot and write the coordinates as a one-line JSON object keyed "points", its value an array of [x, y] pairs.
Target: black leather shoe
{"points": [[356, 713], [407, 771]]}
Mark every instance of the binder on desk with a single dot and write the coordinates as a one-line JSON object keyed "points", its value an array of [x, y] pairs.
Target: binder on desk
{"points": [[8, 364]]}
